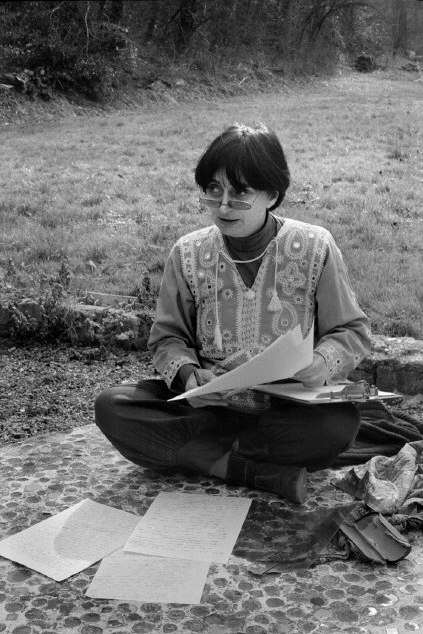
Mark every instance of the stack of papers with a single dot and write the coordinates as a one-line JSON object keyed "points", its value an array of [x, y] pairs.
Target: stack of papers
{"points": [[163, 557], [286, 356]]}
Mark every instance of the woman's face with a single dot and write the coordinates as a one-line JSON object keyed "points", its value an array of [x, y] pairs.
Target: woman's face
{"points": [[238, 223]]}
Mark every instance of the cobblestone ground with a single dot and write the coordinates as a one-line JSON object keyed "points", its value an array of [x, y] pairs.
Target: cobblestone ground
{"points": [[46, 474]]}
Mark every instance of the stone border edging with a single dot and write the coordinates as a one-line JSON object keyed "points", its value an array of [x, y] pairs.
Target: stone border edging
{"points": [[395, 363]]}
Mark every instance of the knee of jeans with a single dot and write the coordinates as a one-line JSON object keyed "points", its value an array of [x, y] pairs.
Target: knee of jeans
{"points": [[104, 407], [342, 429]]}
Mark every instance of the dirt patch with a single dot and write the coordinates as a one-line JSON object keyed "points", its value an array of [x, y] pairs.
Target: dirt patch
{"points": [[47, 388]]}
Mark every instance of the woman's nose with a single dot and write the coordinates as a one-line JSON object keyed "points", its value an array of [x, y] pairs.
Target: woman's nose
{"points": [[224, 202]]}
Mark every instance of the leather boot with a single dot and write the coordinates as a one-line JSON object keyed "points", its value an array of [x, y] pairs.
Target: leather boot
{"points": [[286, 481]]}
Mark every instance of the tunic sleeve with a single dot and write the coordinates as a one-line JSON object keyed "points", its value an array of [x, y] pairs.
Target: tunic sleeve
{"points": [[343, 330], [172, 340]]}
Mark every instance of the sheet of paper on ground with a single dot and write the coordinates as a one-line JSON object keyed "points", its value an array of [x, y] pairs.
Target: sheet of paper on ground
{"points": [[134, 577], [286, 356], [70, 541], [188, 526]]}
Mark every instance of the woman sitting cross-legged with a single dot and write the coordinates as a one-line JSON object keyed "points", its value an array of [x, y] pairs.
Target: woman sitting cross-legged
{"points": [[228, 291]]}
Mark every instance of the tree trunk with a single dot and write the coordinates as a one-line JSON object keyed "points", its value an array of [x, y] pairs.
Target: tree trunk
{"points": [[400, 28], [101, 10], [116, 11], [152, 22], [186, 28]]}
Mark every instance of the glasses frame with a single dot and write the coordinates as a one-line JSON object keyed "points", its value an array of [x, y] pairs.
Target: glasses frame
{"points": [[215, 203]]}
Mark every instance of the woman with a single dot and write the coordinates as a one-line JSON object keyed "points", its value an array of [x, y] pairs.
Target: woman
{"points": [[228, 291]]}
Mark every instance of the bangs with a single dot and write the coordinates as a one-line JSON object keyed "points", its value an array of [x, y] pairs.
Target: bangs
{"points": [[236, 161]]}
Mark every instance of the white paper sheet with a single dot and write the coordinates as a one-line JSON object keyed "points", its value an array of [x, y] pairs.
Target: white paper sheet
{"points": [[70, 541], [188, 526], [134, 577], [284, 357], [297, 392]]}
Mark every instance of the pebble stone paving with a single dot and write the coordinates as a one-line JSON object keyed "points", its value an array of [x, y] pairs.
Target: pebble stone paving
{"points": [[44, 475]]}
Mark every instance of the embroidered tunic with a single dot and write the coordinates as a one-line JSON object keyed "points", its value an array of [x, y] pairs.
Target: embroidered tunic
{"points": [[202, 289]]}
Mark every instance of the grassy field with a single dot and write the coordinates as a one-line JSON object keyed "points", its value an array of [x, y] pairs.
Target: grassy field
{"points": [[104, 197]]}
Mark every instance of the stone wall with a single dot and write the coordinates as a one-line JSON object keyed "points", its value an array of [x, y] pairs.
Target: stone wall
{"points": [[395, 363]]}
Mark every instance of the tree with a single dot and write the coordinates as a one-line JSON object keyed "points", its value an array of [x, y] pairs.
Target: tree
{"points": [[399, 27], [318, 12], [116, 11], [187, 11]]}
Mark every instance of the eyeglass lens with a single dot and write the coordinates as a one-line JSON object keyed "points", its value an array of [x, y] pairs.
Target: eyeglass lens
{"points": [[214, 194], [233, 204]]}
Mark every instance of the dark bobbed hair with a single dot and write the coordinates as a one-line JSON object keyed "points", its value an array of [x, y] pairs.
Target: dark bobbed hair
{"points": [[249, 155]]}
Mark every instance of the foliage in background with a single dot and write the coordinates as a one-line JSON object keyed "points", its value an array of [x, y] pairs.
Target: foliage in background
{"points": [[98, 47], [80, 47]]}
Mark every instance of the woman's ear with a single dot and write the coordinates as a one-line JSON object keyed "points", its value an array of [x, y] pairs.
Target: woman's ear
{"points": [[272, 198]]}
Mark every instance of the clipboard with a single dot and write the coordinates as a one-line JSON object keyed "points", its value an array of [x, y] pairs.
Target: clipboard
{"points": [[357, 392]]}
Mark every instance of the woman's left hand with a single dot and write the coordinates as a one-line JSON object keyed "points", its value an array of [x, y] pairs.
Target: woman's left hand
{"points": [[315, 374]]}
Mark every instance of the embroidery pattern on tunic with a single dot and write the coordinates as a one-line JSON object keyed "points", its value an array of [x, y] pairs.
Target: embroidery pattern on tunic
{"points": [[171, 370], [333, 358], [247, 330], [250, 317]]}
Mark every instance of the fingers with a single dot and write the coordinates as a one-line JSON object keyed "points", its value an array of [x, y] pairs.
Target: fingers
{"points": [[315, 374], [313, 382], [311, 379], [206, 402]]}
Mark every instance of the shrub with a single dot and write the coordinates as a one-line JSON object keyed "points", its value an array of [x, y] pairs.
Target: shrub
{"points": [[42, 318], [74, 47]]}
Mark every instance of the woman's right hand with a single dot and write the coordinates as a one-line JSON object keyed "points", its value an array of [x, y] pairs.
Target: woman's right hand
{"points": [[200, 377]]}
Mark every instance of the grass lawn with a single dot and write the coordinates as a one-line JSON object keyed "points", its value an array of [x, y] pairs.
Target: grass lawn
{"points": [[108, 195]]}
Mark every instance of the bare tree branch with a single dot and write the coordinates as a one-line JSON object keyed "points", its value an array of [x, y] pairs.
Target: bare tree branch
{"points": [[86, 26]]}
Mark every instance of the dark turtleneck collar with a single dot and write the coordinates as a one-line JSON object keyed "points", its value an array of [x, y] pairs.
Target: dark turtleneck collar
{"points": [[251, 246]]}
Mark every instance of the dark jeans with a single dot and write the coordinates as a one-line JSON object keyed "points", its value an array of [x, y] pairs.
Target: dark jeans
{"points": [[152, 432]]}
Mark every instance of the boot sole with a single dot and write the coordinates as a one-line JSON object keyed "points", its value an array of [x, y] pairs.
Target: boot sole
{"points": [[301, 487]]}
